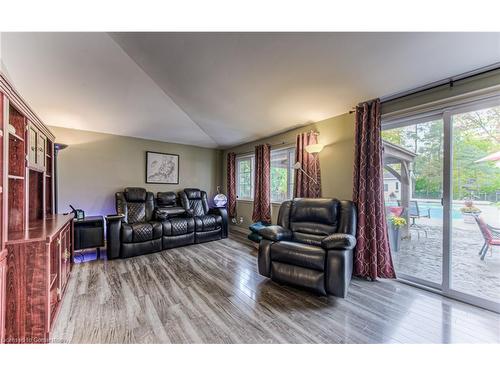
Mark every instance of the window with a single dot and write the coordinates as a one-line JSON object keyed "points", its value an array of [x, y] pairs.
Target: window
{"points": [[282, 174], [386, 187], [244, 177]]}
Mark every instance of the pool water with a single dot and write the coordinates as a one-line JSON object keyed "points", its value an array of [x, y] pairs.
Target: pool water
{"points": [[436, 210]]}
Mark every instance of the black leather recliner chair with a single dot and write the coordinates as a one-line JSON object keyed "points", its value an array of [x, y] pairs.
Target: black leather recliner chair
{"points": [[210, 224], [312, 246], [133, 231]]}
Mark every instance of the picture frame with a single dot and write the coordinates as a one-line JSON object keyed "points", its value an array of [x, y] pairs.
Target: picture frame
{"points": [[162, 168]]}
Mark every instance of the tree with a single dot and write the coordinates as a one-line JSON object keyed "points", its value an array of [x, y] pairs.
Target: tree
{"points": [[475, 135]]}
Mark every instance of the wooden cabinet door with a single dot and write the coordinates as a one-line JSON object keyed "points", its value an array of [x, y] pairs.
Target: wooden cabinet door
{"points": [[32, 146], [55, 269], [3, 292], [40, 151], [65, 255]]}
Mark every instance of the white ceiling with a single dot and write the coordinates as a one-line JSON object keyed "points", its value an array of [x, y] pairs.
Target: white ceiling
{"points": [[223, 89], [86, 81]]}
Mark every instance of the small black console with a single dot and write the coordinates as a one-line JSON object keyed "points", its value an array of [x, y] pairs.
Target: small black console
{"points": [[89, 233]]}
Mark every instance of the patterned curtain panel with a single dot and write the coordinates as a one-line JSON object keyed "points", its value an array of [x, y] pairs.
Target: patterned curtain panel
{"points": [[231, 184], [373, 257], [304, 186], [262, 185]]}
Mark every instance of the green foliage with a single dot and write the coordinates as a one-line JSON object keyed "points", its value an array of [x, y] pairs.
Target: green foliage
{"points": [[245, 177], [475, 135], [278, 183]]}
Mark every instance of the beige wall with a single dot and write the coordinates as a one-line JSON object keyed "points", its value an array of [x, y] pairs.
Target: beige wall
{"points": [[336, 159], [96, 165], [464, 86]]}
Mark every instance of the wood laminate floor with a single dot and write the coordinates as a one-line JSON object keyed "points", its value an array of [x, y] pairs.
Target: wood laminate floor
{"points": [[212, 293]]}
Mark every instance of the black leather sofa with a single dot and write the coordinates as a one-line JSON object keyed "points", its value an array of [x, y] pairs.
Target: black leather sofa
{"points": [[145, 225], [312, 246]]}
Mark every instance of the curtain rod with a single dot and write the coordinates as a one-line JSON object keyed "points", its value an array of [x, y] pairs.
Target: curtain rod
{"points": [[448, 81], [282, 143]]}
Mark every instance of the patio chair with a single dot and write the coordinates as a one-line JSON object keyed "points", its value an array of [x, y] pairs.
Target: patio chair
{"points": [[415, 213], [490, 234]]}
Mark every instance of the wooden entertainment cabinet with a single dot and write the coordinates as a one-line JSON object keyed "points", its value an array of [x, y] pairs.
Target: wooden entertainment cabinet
{"points": [[35, 244]]}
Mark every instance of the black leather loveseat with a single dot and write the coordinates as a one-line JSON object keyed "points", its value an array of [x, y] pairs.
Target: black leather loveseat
{"points": [[312, 246], [145, 225]]}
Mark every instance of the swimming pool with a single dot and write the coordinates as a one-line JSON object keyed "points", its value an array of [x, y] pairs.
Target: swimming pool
{"points": [[436, 210]]}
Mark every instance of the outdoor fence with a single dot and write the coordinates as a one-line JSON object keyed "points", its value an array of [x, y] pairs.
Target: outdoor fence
{"points": [[490, 197]]}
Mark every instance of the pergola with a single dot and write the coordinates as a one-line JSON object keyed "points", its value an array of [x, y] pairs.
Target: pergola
{"points": [[394, 154]]}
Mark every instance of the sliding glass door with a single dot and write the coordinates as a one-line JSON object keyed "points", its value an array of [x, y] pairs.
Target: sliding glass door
{"points": [[413, 187], [442, 193], [474, 273]]}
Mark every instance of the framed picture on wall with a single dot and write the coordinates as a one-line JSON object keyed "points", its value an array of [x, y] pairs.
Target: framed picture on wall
{"points": [[162, 168]]}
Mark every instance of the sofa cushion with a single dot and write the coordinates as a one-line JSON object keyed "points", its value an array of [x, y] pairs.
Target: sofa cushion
{"points": [[140, 232], [174, 211], [205, 223], [308, 238], [315, 216], [298, 254], [304, 277], [196, 207], [133, 194], [168, 198], [136, 212], [164, 213], [195, 201], [178, 226], [193, 193]]}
